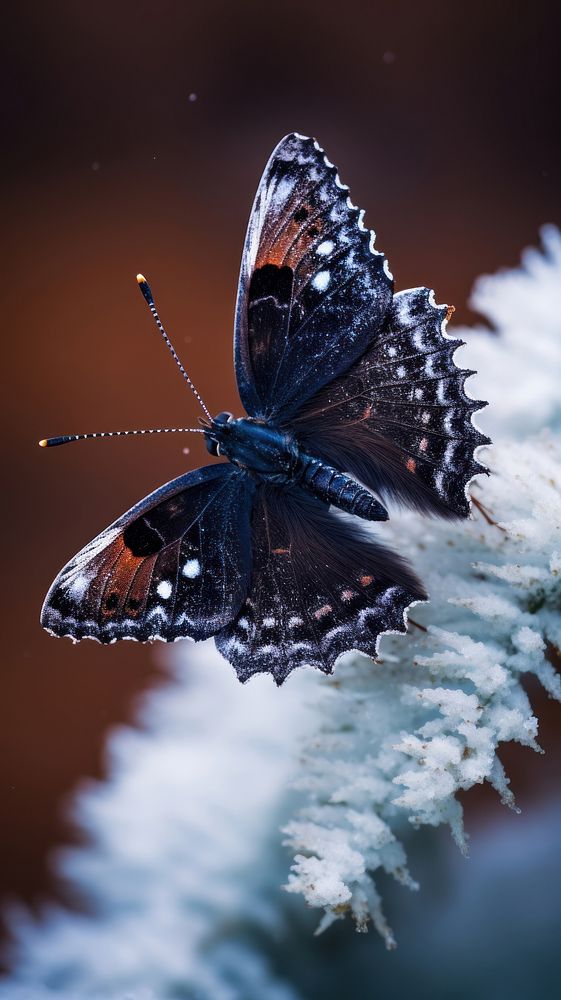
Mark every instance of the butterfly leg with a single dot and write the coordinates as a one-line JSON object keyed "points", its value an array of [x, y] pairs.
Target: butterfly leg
{"points": [[334, 487]]}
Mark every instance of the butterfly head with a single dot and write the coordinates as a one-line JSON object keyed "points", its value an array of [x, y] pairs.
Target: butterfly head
{"points": [[216, 431]]}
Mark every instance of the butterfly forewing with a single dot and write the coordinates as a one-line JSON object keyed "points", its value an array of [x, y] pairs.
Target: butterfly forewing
{"points": [[400, 418], [176, 565], [320, 586], [312, 292]]}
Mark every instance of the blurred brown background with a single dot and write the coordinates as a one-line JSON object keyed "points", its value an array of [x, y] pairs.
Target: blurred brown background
{"points": [[135, 137]]}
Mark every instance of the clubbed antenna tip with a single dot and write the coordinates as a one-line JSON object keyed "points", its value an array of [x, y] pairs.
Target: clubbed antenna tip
{"points": [[145, 288]]}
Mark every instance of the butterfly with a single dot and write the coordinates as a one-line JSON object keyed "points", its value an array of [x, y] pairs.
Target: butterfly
{"points": [[352, 400]]}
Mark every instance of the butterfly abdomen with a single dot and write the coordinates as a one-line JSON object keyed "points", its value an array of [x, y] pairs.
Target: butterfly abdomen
{"points": [[334, 487]]}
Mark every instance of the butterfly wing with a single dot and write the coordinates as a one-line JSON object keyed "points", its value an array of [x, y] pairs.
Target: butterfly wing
{"points": [[400, 419], [312, 290], [320, 585], [176, 565]]}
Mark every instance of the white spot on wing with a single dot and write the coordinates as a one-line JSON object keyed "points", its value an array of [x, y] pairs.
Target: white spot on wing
{"points": [[325, 248], [321, 280], [164, 589], [78, 586], [283, 189], [191, 569]]}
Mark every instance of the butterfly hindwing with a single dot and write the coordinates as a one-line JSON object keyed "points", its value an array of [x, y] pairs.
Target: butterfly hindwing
{"points": [[312, 291], [400, 419], [176, 565], [320, 585]]}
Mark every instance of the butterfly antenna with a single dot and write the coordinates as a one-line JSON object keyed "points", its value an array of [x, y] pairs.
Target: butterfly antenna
{"points": [[147, 293], [68, 438]]}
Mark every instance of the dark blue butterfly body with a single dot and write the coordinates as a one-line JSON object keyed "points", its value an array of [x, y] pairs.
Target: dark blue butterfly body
{"points": [[274, 456], [350, 390]]}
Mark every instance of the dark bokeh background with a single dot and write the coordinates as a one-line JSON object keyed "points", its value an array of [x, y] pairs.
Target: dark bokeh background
{"points": [[135, 137]]}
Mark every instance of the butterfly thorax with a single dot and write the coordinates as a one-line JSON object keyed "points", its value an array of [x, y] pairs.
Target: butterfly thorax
{"points": [[274, 456], [263, 450]]}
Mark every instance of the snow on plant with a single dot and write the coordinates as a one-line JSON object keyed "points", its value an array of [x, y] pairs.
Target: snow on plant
{"points": [[397, 740], [169, 871], [519, 371]]}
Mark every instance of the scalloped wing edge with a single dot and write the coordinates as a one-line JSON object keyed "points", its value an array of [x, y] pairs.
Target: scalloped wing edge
{"points": [[350, 204], [467, 372], [334, 659]]}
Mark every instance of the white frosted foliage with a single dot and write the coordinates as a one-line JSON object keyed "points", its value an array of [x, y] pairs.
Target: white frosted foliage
{"points": [[173, 836], [524, 306], [397, 740]]}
